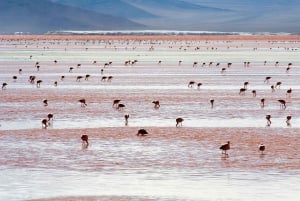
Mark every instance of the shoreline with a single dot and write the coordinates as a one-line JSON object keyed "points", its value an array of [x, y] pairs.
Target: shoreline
{"points": [[152, 37]]}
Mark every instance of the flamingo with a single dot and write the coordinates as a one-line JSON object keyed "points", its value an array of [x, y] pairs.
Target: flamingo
{"points": [[87, 76], [268, 118], [199, 85], [156, 104], [262, 102], [38, 83], [45, 123], [278, 84], [85, 142], [50, 117], [83, 102], [78, 78], [212, 103], [126, 117], [142, 132], [267, 79], [109, 78], [191, 84], [289, 92], [272, 88], [282, 103], [288, 120], [4, 84], [45, 102], [195, 64], [103, 78], [242, 91], [179, 122], [120, 106], [261, 148], [116, 102], [31, 79], [225, 148]]}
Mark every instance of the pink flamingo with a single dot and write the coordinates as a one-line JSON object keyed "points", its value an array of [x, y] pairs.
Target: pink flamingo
{"points": [[261, 148], [268, 118], [85, 142], [225, 148], [179, 122], [83, 102]]}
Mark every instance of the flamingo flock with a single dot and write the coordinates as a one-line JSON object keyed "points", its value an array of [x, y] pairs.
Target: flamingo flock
{"points": [[81, 76]]}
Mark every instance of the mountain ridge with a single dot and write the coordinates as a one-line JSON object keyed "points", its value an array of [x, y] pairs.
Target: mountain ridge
{"points": [[41, 16]]}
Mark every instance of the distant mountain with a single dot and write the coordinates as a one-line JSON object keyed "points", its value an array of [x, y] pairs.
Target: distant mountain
{"points": [[205, 15], [41, 16], [112, 7]]}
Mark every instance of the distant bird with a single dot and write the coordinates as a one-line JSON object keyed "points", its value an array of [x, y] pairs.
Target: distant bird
{"points": [[4, 84], [254, 93], [87, 76], [262, 102], [78, 78], [212, 103], [85, 141], [179, 122], [156, 104], [282, 103], [38, 83], [199, 85], [272, 88], [261, 148], [45, 102], [246, 84], [191, 84], [45, 123], [126, 117], [116, 102], [268, 118], [120, 106], [15, 78], [83, 102], [195, 64], [278, 84], [267, 79], [50, 117], [109, 78], [142, 132], [289, 92], [225, 148], [288, 120], [242, 91]]}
